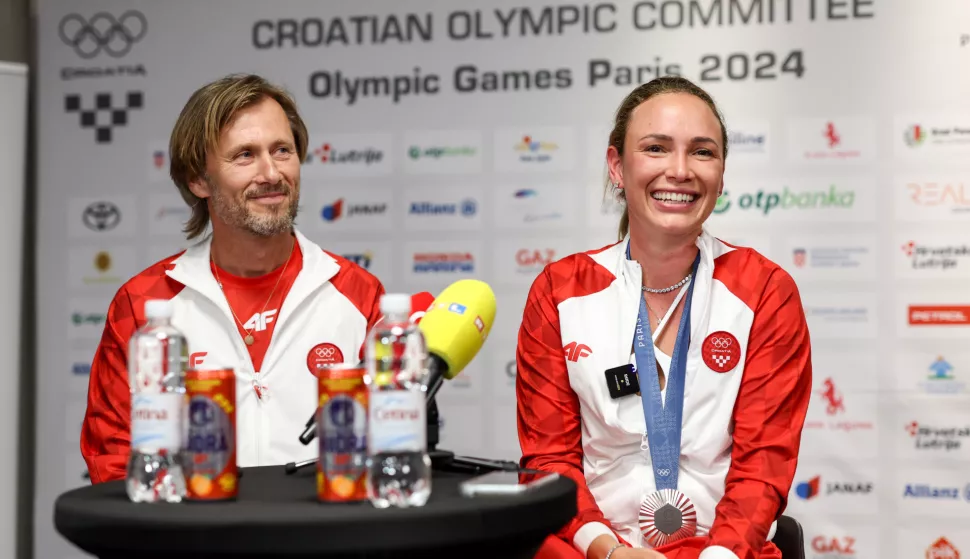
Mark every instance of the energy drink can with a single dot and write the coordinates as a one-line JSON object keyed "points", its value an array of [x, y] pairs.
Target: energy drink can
{"points": [[210, 449], [342, 433]]}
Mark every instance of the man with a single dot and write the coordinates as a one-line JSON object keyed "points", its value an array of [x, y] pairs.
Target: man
{"points": [[254, 294]]}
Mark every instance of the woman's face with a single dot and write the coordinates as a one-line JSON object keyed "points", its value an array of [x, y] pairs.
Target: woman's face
{"points": [[672, 166]]}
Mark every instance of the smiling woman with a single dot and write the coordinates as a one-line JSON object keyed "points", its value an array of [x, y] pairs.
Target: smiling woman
{"points": [[661, 474]]}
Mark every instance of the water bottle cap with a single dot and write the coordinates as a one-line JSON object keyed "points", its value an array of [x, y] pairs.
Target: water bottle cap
{"points": [[396, 303], [158, 308]]}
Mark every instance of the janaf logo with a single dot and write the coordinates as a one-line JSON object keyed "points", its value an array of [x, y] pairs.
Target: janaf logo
{"points": [[767, 201]]}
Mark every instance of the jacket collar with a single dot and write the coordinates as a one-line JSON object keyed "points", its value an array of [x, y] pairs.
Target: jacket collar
{"points": [[192, 270]]}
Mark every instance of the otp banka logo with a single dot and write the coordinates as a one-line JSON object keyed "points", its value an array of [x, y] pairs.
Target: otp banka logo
{"points": [[362, 259], [766, 202]]}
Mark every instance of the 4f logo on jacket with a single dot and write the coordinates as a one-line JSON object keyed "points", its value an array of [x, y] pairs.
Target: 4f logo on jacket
{"points": [[259, 321], [575, 350]]}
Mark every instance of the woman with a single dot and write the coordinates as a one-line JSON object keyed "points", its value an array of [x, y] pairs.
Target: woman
{"points": [[686, 446]]}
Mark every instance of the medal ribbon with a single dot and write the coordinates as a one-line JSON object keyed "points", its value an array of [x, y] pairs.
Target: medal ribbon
{"points": [[664, 422]]}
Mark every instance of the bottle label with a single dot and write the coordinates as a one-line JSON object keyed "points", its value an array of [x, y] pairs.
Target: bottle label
{"points": [[156, 421], [397, 422]]}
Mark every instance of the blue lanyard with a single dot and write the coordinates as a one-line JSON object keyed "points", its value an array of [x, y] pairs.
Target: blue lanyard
{"points": [[664, 422]]}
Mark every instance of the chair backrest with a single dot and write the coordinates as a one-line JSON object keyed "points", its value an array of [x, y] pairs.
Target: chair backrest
{"points": [[789, 538]]}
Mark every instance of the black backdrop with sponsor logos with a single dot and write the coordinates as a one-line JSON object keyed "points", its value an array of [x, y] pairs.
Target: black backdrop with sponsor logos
{"points": [[455, 140]]}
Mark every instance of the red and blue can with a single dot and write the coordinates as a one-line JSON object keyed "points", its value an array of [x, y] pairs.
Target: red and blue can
{"points": [[209, 454]]}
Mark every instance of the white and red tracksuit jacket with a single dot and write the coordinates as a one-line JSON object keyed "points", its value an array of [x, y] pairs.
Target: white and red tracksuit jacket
{"points": [[331, 301], [741, 424]]}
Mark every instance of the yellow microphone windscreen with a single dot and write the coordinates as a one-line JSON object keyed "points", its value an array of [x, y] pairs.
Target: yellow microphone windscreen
{"points": [[458, 323]]}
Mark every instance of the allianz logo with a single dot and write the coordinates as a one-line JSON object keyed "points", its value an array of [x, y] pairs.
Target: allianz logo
{"points": [[923, 491]]}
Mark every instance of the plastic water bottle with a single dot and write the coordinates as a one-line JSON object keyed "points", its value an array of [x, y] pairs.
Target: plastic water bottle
{"points": [[157, 355], [396, 360]]}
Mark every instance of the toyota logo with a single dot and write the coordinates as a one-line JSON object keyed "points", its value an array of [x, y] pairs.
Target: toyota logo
{"points": [[721, 343], [325, 352], [103, 32], [101, 216]]}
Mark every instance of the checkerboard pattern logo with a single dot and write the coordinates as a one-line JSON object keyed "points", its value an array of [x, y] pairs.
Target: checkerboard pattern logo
{"points": [[104, 116]]}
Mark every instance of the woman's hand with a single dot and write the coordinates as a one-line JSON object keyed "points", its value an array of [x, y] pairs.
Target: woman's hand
{"points": [[636, 553], [602, 545]]}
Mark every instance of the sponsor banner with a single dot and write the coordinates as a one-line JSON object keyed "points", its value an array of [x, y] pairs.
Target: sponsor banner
{"points": [[935, 374], [442, 261], [795, 200], [749, 140], [85, 318], [932, 256], [932, 135], [168, 213], [849, 140], [845, 257], [373, 256], [935, 540], [108, 217], [442, 209], [843, 411], [821, 489], [535, 149], [533, 205], [933, 492], [829, 538], [840, 315], [346, 208], [939, 314], [519, 262], [101, 267], [442, 152], [931, 433], [349, 155], [78, 370], [157, 164], [932, 198]]}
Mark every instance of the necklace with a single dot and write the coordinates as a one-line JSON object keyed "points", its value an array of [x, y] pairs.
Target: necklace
{"points": [[249, 339], [667, 289]]}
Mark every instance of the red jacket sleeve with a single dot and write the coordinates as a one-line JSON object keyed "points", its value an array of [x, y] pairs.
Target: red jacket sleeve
{"points": [[547, 407], [768, 417], [105, 434]]}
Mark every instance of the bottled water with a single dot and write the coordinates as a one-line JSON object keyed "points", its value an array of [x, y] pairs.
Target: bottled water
{"points": [[396, 360], [156, 356]]}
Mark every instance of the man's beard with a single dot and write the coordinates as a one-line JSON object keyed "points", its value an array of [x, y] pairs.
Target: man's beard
{"points": [[273, 221]]}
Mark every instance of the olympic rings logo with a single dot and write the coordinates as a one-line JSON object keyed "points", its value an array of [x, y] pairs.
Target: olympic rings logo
{"points": [[103, 32], [325, 352], [663, 472], [721, 343]]}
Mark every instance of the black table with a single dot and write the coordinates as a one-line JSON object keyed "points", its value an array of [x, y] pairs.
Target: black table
{"points": [[278, 515]]}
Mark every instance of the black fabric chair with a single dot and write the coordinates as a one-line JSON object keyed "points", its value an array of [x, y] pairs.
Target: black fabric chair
{"points": [[789, 538]]}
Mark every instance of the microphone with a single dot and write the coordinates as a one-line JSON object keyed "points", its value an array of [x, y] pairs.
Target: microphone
{"points": [[454, 328], [420, 302]]}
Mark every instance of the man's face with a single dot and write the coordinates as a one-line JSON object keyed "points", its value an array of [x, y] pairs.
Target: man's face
{"points": [[252, 180]]}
